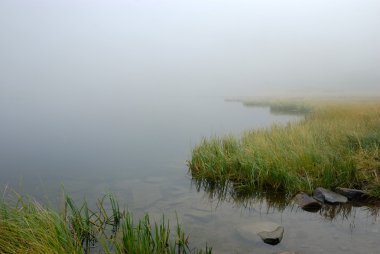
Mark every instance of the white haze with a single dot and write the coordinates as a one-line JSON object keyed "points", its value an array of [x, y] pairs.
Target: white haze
{"points": [[77, 50]]}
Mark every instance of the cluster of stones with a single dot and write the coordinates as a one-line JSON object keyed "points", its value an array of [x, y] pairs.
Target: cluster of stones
{"points": [[272, 233], [322, 196], [313, 204]]}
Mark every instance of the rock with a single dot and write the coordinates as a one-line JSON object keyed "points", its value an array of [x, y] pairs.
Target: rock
{"points": [[266, 230], [324, 195], [307, 203], [272, 237], [352, 194]]}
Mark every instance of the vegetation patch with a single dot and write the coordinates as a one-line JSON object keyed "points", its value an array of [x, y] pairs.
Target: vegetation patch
{"points": [[295, 106], [28, 227], [336, 144]]}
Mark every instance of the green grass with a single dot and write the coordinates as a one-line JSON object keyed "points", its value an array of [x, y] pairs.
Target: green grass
{"points": [[28, 227], [336, 144]]}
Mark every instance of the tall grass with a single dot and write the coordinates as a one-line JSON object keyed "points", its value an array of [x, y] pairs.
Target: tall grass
{"points": [[336, 144], [143, 237], [28, 227]]}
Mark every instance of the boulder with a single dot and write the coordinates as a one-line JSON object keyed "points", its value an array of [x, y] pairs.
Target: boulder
{"points": [[328, 196], [352, 194], [307, 203], [272, 237]]}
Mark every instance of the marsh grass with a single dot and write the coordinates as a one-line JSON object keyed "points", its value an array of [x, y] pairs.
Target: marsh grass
{"points": [[145, 238], [336, 144], [296, 106], [28, 227]]}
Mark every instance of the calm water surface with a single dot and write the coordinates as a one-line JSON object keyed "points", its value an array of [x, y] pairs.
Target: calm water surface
{"points": [[137, 148]]}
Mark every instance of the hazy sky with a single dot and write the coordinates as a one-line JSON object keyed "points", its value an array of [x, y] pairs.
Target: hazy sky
{"points": [[189, 47]]}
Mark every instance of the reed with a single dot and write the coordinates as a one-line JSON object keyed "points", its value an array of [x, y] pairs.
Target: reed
{"points": [[336, 144], [28, 227], [143, 237]]}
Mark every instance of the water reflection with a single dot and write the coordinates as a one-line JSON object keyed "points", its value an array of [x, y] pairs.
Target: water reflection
{"points": [[296, 107], [348, 210], [282, 109], [280, 202], [231, 193]]}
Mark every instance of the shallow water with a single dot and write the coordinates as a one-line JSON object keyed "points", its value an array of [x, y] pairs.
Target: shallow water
{"points": [[137, 148]]}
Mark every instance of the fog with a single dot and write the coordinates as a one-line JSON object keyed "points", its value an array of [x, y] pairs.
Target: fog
{"points": [[111, 96], [78, 50]]}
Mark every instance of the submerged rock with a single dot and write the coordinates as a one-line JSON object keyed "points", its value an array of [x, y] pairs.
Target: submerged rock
{"points": [[324, 195], [269, 232], [272, 237], [352, 194], [307, 203]]}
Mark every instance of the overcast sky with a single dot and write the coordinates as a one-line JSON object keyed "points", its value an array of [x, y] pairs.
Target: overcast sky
{"points": [[189, 47]]}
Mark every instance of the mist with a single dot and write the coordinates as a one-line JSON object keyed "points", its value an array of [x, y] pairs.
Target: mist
{"points": [[78, 50]]}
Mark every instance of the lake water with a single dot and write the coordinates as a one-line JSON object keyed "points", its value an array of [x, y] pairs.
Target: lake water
{"points": [[137, 148]]}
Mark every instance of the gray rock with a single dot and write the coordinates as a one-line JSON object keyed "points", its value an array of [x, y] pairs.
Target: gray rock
{"points": [[324, 195], [272, 237], [352, 194], [307, 203], [250, 231]]}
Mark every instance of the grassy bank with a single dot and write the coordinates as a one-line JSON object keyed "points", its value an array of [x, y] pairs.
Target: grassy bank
{"points": [[336, 144], [28, 227]]}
